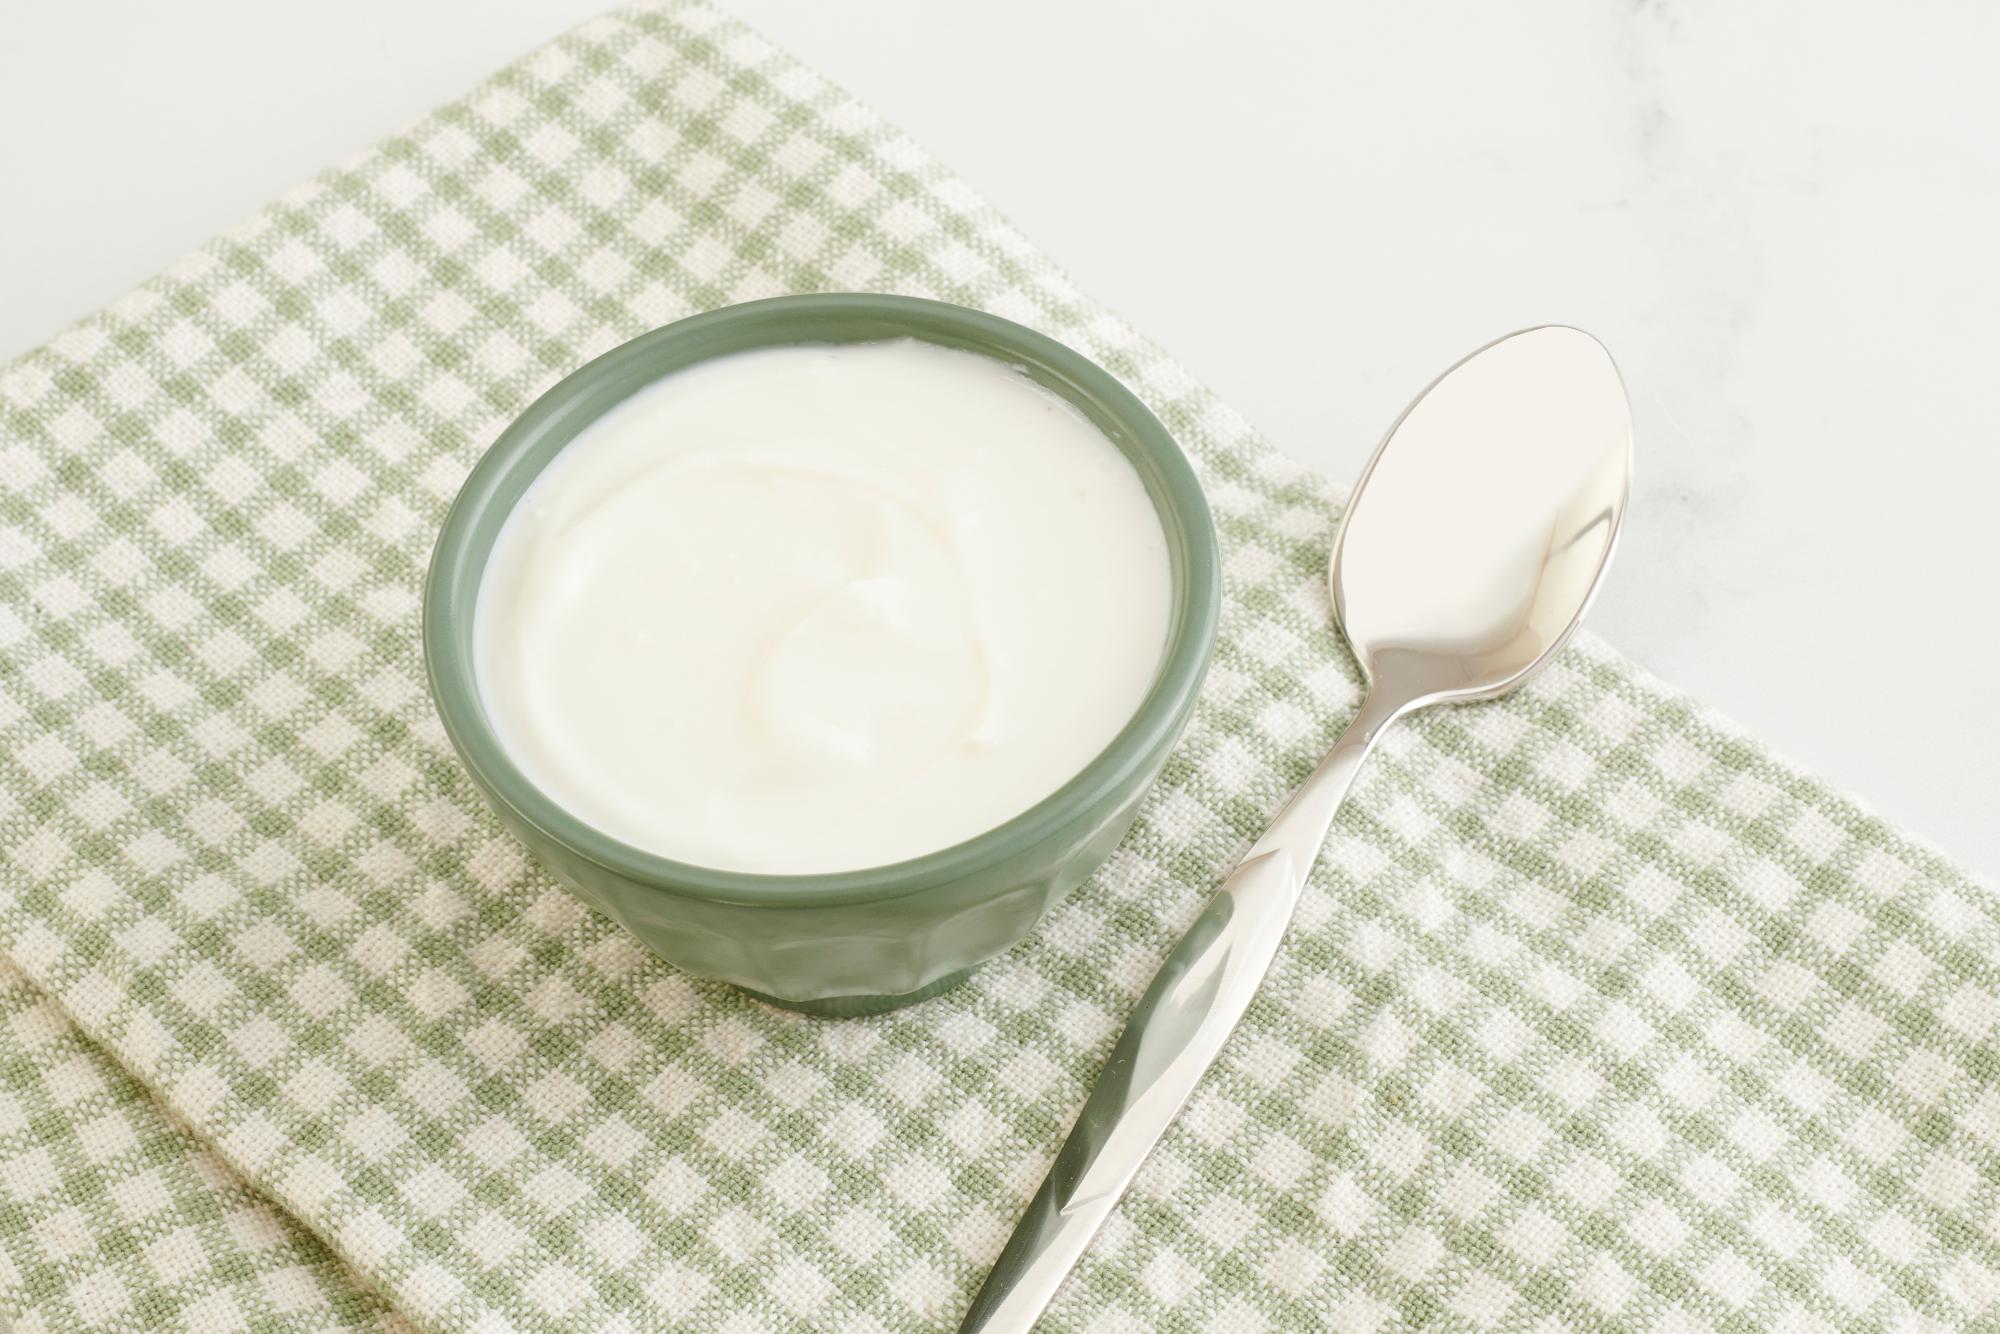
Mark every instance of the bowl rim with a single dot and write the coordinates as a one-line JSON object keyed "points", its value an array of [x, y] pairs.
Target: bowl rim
{"points": [[458, 561]]}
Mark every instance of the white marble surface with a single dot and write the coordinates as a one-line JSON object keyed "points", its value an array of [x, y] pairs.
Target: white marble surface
{"points": [[1783, 225]]}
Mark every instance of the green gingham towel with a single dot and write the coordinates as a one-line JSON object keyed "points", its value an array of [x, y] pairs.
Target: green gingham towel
{"points": [[1595, 1015]]}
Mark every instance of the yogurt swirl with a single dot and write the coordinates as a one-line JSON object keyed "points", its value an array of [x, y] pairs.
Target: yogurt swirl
{"points": [[818, 608]]}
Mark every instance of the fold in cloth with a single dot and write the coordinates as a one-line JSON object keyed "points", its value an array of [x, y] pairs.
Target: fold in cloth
{"points": [[1595, 1013]]}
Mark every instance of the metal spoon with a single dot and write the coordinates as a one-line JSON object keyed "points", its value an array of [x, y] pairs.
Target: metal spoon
{"points": [[1469, 552]]}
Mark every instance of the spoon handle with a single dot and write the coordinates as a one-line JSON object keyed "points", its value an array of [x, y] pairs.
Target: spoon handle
{"points": [[1174, 1035]]}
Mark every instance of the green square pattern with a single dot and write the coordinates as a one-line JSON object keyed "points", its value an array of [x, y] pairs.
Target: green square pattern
{"points": [[1596, 1015]]}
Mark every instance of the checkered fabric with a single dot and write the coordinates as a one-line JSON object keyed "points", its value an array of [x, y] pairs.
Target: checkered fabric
{"points": [[119, 1220], [1595, 1014]]}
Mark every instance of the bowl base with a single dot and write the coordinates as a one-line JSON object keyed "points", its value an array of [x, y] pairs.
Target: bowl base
{"points": [[849, 1007]]}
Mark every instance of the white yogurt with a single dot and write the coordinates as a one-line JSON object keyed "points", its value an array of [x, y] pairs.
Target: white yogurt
{"points": [[820, 608]]}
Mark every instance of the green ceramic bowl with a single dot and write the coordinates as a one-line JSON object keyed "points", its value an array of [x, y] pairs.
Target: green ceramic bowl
{"points": [[856, 941]]}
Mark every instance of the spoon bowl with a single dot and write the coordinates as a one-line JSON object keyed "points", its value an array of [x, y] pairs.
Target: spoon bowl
{"points": [[1481, 528]]}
